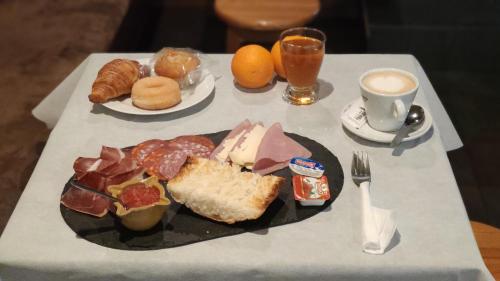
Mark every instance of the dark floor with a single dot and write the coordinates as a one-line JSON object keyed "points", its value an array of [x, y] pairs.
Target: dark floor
{"points": [[38, 49], [473, 102]]}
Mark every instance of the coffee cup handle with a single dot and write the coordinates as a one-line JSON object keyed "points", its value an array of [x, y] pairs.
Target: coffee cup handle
{"points": [[399, 110]]}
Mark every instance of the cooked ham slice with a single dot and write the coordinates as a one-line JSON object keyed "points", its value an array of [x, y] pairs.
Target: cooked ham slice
{"points": [[275, 150]]}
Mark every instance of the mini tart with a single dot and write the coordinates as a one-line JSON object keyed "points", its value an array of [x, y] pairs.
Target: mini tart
{"points": [[176, 64], [144, 217]]}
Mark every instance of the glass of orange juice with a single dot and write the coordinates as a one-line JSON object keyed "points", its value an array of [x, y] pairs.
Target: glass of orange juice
{"points": [[302, 51]]}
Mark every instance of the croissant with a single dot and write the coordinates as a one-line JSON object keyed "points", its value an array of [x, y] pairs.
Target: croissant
{"points": [[114, 79]]}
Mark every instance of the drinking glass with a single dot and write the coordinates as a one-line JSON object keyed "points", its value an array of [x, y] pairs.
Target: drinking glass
{"points": [[302, 51]]}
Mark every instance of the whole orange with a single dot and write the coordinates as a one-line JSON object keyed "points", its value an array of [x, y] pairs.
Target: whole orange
{"points": [[276, 54], [252, 66]]}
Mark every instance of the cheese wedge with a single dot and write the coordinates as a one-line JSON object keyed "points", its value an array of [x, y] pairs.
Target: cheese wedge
{"points": [[245, 153], [228, 145]]}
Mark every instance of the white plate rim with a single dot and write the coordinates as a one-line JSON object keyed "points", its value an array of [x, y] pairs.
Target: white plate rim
{"points": [[199, 93], [368, 133]]}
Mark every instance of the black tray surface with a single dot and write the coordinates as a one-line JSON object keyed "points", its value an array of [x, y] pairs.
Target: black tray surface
{"points": [[181, 226]]}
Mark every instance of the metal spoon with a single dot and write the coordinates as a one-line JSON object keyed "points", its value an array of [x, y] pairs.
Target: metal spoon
{"points": [[416, 117]]}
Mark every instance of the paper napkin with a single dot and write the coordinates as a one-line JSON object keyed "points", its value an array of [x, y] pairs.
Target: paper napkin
{"points": [[378, 225]]}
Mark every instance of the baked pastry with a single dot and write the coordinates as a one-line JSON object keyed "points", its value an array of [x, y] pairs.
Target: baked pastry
{"points": [[176, 64], [156, 93], [222, 192], [114, 79]]}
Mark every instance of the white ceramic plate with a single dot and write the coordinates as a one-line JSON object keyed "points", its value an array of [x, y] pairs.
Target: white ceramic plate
{"points": [[367, 132], [190, 97]]}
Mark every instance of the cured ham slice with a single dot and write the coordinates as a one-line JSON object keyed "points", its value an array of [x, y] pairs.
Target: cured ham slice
{"points": [[83, 164], [221, 152], [125, 165], [123, 177], [111, 154], [94, 180], [85, 202], [275, 150], [114, 166]]}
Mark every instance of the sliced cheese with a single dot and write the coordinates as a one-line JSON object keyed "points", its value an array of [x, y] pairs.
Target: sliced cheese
{"points": [[244, 154], [228, 145]]}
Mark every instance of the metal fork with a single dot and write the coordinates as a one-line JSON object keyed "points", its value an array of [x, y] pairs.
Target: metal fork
{"points": [[360, 168], [361, 176]]}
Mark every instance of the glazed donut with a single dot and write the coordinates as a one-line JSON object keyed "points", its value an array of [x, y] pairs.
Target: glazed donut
{"points": [[176, 64], [156, 93]]}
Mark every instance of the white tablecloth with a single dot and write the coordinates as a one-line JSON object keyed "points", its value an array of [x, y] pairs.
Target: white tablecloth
{"points": [[50, 109], [434, 241]]}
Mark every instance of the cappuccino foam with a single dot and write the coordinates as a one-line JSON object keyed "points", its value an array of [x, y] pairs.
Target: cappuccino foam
{"points": [[388, 82]]}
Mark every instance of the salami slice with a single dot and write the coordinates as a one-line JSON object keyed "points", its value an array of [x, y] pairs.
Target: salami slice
{"points": [[169, 164], [198, 146], [142, 150], [152, 159], [164, 163]]}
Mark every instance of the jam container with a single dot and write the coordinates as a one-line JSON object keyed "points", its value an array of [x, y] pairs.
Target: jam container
{"points": [[310, 191], [306, 167]]}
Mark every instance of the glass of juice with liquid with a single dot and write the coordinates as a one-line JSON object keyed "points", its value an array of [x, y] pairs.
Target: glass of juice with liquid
{"points": [[302, 51]]}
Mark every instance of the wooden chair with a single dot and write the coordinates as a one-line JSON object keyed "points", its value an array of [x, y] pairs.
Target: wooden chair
{"points": [[262, 20], [488, 241]]}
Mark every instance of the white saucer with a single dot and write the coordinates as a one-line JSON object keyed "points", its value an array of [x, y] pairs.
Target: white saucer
{"points": [[190, 97], [367, 132]]}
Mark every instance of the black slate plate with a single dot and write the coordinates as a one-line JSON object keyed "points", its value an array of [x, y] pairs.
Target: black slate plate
{"points": [[180, 226]]}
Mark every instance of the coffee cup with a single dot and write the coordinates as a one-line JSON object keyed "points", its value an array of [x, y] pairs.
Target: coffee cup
{"points": [[388, 94]]}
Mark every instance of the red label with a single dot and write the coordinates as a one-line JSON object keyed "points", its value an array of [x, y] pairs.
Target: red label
{"points": [[309, 188]]}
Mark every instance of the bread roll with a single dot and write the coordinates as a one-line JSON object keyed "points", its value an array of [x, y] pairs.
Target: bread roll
{"points": [[176, 64]]}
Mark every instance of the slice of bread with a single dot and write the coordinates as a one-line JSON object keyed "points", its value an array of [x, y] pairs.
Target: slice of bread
{"points": [[222, 192]]}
